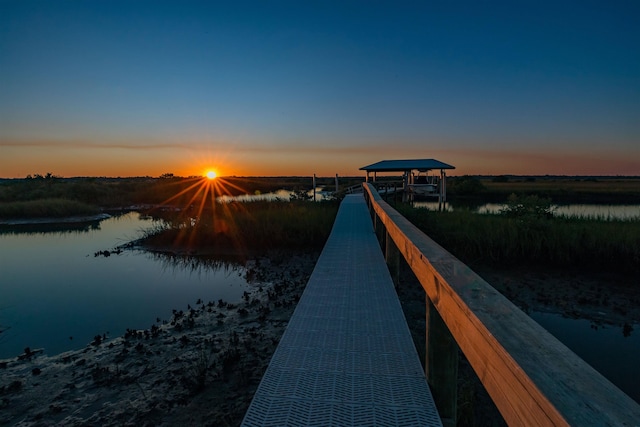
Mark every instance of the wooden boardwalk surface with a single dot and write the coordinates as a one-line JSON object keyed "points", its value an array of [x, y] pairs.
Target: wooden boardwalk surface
{"points": [[346, 357]]}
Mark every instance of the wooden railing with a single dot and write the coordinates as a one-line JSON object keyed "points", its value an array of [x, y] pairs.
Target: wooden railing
{"points": [[388, 187], [533, 378], [357, 188]]}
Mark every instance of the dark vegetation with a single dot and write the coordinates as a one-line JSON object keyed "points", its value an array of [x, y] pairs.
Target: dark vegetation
{"points": [[192, 223], [561, 189], [527, 233], [470, 190], [245, 227], [59, 197], [53, 207]]}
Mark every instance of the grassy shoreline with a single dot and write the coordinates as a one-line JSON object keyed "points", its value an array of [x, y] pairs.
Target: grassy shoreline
{"points": [[560, 242], [599, 190], [46, 208], [108, 193], [197, 225], [245, 228]]}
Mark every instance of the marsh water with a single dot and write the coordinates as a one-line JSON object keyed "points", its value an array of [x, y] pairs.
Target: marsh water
{"points": [[319, 193], [584, 210], [57, 295], [608, 349]]}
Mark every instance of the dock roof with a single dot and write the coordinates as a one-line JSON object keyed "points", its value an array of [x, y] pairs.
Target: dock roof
{"points": [[406, 165]]}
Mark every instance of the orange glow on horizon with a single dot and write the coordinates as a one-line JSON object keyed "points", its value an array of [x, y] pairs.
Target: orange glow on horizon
{"points": [[70, 158]]}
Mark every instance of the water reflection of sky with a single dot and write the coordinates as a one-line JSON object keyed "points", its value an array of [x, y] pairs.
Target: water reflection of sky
{"points": [[284, 195], [572, 210], [52, 287], [605, 348], [276, 195]]}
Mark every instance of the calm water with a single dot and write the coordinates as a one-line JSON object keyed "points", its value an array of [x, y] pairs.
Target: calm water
{"points": [[573, 210], [285, 195], [53, 288], [605, 348]]}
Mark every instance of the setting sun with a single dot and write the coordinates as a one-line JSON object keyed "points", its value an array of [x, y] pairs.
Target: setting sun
{"points": [[211, 174]]}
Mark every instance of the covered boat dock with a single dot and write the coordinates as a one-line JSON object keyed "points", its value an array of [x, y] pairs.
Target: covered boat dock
{"points": [[414, 184]]}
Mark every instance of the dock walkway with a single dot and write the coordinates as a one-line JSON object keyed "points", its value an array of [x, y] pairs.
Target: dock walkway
{"points": [[346, 357]]}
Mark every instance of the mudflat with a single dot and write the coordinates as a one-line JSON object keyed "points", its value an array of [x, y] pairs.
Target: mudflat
{"points": [[200, 367]]}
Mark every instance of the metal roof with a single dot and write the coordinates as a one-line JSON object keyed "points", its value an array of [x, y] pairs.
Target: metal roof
{"points": [[406, 165]]}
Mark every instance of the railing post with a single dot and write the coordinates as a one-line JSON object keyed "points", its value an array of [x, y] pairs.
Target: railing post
{"points": [[314, 187], [392, 256], [441, 366]]}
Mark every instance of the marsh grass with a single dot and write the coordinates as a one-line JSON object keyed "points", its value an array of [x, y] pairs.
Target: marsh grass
{"points": [[122, 191], [241, 227], [602, 217], [50, 208], [511, 240]]}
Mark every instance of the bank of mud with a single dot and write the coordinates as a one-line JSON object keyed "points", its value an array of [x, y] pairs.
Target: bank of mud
{"points": [[203, 365], [200, 367]]}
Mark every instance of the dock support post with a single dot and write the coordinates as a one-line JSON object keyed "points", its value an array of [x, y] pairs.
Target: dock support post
{"points": [[392, 256], [405, 187], [381, 231], [314, 187], [376, 224], [441, 366]]}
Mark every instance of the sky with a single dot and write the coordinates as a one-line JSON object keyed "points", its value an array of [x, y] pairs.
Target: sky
{"points": [[277, 88]]}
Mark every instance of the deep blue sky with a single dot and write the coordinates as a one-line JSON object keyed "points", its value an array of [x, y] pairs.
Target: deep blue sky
{"points": [[270, 88]]}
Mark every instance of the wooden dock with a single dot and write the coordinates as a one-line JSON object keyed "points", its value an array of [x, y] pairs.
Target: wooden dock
{"points": [[346, 357]]}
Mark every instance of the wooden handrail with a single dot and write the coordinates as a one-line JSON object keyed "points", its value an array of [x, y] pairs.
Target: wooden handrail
{"points": [[532, 377]]}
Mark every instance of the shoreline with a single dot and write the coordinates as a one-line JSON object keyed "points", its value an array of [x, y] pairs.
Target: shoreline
{"points": [[201, 366], [54, 220]]}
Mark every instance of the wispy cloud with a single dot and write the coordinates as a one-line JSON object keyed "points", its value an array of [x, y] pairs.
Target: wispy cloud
{"points": [[90, 145], [253, 147], [281, 156]]}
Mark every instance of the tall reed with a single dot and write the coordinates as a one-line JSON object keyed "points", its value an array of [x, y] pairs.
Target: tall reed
{"points": [[248, 226], [508, 240]]}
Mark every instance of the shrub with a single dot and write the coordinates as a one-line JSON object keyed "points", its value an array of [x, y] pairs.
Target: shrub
{"points": [[527, 207]]}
